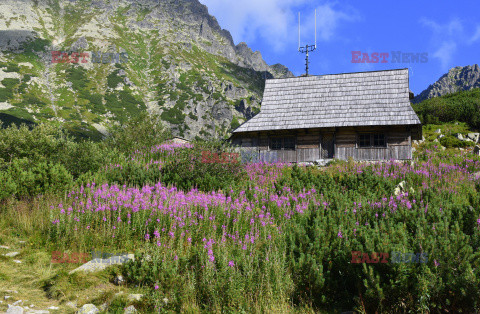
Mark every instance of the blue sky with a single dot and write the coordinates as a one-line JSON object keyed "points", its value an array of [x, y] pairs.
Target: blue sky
{"points": [[448, 31]]}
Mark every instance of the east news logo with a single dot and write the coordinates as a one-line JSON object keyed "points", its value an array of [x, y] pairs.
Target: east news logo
{"points": [[87, 57], [383, 57], [397, 257]]}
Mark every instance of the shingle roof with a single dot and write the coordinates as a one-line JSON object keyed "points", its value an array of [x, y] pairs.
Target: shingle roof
{"points": [[336, 100]]}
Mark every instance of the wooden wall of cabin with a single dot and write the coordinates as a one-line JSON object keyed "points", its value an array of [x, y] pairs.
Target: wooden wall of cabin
{"points": [[398, 146], [308, 147]]}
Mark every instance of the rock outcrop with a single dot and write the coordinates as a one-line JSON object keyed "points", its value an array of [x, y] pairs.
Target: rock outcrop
{"points": [[165, 56], [457, 79]]}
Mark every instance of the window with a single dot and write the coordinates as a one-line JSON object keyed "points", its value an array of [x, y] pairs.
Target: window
{"points": [[378, 140], [289, 143], [364, 140], [276, 143], [372, 140], [285, 143]]}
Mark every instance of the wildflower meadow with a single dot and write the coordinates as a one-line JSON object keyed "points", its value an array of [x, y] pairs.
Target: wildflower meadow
{"points": [[287, 232], [272, 237]]}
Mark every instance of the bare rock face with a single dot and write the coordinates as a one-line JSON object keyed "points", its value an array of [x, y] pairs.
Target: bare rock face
{"points": [[181, 64], [280, 71], [457, 79]]}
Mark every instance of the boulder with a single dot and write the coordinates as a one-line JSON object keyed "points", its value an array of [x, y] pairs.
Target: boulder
{"points": [[402, 188], [439, 131], [459, 136], [399, 188], [476, 175], [441, 136], [98, 264], [473, 136], [30, 311], [11, 254], [14, 309], [71, 304], [130, 310], [476, 150], [88, 309], [135, 297], [119, 280]]}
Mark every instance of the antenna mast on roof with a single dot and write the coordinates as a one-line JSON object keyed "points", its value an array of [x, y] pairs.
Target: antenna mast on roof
{"points": [[308, 48]]}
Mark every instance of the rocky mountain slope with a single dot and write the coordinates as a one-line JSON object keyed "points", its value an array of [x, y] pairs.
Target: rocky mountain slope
{"points": [[90, 63], [457, 79]]}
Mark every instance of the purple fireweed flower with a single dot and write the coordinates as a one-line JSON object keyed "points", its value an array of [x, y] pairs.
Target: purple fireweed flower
{"points": [[339, 234], [436, 263], [156, 287], [231, 264]]}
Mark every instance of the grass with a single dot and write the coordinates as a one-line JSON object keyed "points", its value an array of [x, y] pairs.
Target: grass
{"points": [[36, 279]]}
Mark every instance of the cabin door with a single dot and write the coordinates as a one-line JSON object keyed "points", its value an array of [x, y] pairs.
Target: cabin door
{"points": [[326, 146]]}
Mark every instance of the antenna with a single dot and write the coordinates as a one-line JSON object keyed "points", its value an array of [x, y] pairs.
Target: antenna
{"points": [[298, 31], [307, 48]]}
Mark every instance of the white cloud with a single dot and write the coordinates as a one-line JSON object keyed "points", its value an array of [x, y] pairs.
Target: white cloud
{"points": [[446, 38], [445, 52], [275, 21], [475, 36], [451, 29]]}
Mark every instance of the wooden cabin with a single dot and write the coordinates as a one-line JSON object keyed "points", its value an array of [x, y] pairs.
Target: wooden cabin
{"points": [[364, 115]]}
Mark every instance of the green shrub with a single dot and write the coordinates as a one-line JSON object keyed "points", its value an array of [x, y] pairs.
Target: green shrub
{"points": [[26, 179], [450, 141], [78, 76], [463, 106], [234, 124], [113, 79], [40, 143], [198, 168], [173, 115], [142, 131]]}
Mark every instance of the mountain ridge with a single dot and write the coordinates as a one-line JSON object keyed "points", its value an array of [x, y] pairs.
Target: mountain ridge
{"points": [[181, 64], [456, 79]]}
